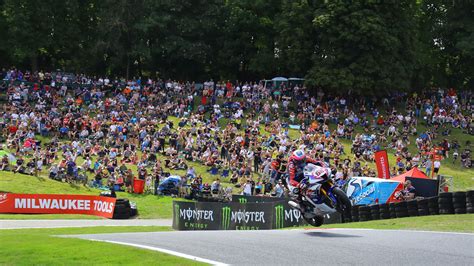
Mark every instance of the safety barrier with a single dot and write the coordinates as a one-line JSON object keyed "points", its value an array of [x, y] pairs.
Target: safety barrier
{"points": [[445, 203], [240, 215]]}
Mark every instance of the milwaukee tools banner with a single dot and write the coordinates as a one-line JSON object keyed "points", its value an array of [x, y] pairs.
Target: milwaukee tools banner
{"points": [[57, 204], [381, 160]]}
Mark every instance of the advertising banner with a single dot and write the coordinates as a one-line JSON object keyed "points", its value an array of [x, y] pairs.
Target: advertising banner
{"points": [[246, 216], [381, 160], [368, 190], [238, 216], [196, 215], [221, 216], [57, 204]]}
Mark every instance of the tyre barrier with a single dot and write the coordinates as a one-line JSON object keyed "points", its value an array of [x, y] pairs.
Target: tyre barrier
{"points": [[433, 207], [445, 203], [384, 211], [470, 201], [412, 206], [459, 202], [401, 209], [364, 213], [374, 212], [347, 219], [423, 208], [391, 207], [124, 209], [355, 213]]}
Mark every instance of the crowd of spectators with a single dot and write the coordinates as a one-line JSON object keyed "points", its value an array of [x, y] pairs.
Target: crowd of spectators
{"points": [[104, 132]]}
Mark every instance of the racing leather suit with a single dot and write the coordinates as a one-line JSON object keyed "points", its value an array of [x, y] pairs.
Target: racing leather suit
{"points": [[296, 167]]}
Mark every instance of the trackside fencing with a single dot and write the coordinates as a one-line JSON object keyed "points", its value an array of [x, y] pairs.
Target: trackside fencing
{"points": [[445, 203]]}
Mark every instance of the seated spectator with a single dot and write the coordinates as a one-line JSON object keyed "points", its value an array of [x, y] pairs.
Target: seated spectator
{"points": [[215, 186], [234, 178], [408, 192], [5, 163], [19, 168]]}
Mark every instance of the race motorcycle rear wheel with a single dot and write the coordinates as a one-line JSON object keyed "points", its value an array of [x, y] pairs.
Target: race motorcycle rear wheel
{"points": [[316, 220]]}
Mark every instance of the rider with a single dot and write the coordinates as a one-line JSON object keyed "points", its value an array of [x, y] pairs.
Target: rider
{"points": [[296, 164]]}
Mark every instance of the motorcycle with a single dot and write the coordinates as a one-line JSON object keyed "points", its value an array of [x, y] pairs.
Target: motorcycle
{"points": [[321, 196]]}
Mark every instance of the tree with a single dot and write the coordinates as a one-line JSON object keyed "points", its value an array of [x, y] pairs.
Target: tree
{"points": [[248, 39], [458, 44], [430, 67], [119, 38], [367, 46], [4, 58], [29, 25], [182, 37], [296, 37]]}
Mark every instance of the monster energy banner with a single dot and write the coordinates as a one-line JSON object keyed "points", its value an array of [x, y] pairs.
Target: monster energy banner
{"points": [[237, 216]]}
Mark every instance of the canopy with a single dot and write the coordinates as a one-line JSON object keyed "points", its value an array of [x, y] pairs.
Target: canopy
{"points": [[414, 172], [279, 79]]}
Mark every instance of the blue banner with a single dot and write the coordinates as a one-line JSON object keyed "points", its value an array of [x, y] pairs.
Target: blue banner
{"points": [[367, 190]]}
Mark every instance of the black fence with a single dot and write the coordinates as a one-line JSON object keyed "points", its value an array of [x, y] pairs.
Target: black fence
{"points": [[248, 213], [425, 187]]}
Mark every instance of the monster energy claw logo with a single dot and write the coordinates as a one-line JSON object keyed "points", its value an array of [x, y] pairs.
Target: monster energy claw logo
{"points": [[279, 216], [242, 200], [226, 212]]}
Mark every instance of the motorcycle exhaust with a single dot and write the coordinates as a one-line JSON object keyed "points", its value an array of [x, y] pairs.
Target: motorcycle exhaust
{"points": [[294, 204]]}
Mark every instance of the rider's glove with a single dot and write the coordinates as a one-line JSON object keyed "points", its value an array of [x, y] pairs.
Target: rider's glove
{"points": [[296, 191]]}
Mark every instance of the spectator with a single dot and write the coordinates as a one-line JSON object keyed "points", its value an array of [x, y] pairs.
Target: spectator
{"points": [[247, 188], [408, 192]]}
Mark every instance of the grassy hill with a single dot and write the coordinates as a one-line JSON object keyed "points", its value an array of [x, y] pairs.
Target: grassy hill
{"points": [[151, 206], [463, 179]]}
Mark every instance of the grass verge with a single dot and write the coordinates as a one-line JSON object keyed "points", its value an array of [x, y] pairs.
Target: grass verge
{"points": [[446, 223], [42, 247]]}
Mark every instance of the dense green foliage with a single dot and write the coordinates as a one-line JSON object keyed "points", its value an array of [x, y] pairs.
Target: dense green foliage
{"points": [[366, 46]]}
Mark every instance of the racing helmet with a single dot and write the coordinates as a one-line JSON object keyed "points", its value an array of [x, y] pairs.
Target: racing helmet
{"points": [[298, 155]]}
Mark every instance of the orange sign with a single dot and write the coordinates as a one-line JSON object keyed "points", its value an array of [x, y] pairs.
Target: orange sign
{"points": [[57, 204]]}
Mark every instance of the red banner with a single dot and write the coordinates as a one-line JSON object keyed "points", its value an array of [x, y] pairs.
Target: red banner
{"points": [[57, 204], [381, 160]]}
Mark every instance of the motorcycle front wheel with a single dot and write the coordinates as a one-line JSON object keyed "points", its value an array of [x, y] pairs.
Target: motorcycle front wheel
{"points": [[343, 202]]}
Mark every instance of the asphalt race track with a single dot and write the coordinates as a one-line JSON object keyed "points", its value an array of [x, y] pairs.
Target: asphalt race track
{"points": [[306, 247]]}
